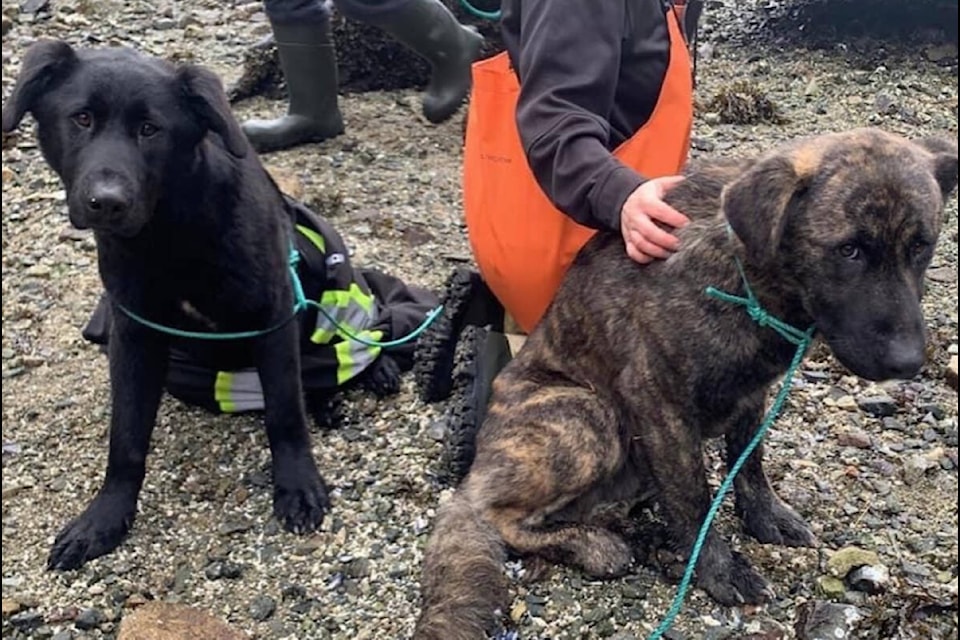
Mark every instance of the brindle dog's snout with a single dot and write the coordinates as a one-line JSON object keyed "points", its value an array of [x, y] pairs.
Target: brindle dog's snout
{"points": [[904, 357]]}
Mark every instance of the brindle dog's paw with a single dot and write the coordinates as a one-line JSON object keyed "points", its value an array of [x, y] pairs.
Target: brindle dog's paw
{"points": [[95, 532], [734, 582], [382, 378], [300, 497], [604, 555], [777, 523]]}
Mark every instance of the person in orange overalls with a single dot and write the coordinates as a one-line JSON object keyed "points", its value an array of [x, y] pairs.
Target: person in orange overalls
{"points": [[583, 123]]}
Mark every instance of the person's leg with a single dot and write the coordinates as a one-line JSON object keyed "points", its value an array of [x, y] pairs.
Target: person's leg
{"points": [[301, 30], [428, 28]]}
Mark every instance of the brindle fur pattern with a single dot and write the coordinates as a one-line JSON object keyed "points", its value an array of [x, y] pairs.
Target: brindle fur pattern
{"points": [[633, 367]]}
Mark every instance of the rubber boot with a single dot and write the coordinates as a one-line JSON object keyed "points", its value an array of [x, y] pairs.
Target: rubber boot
{"points": [[430, 30], [484, 353], [467, 301], [309, 63]]}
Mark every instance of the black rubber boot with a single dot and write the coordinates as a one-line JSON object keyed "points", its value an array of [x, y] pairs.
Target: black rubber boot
{"points": [[428, 28], [309, 63], [466, 301], [483, 353]]}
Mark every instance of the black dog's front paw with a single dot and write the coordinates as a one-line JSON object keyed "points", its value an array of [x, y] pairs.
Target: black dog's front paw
{"points": [[95, 532], [300, 497], [774, 522], [732, 581], [382, 378]]}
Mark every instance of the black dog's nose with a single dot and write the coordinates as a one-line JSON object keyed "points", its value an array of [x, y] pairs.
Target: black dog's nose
{"points": [[107, 202]]}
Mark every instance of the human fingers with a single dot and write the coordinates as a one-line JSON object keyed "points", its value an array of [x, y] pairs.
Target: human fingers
{"points": [[647, 247], [635, 254], [662, 212], [653, 233]]}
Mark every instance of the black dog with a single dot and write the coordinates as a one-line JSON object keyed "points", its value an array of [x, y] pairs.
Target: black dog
{"points": [[192, 233]]}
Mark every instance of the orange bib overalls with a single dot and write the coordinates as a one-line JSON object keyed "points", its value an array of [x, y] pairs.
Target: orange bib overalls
{"points": [[522, 244]]}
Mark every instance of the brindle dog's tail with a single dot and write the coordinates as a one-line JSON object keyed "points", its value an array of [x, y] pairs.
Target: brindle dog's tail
{"points": [[463, 584]]}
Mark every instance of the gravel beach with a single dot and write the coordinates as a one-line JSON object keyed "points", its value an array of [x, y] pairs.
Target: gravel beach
{"points": [[872, 467]]}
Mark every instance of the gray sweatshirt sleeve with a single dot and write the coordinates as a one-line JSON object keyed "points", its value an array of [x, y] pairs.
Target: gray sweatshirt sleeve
{"points": [[568, 63]]}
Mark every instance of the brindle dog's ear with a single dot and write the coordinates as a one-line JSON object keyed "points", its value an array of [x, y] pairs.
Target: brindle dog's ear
{"points": [[755, 205], [44, 62], [944, 153], [205, 98]]}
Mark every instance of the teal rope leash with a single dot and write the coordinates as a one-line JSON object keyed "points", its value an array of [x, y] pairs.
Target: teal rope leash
{"points": [[802, 339], [342, 330], [300, 303], [480, 13]]}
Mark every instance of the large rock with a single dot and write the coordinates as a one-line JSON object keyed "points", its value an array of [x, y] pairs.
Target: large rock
{"points": [[165, 621]]}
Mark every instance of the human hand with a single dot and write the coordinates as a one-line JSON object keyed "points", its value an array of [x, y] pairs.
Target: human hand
{"points": [[644, 216]]}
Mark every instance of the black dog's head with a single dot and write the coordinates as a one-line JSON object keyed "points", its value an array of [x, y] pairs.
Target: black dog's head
{"points": [[850, 221], [118, 126]]}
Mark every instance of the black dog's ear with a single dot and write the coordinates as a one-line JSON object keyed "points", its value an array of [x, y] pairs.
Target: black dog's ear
{"points": [[755, 204], [944, 152], [208, 102], [44, 62]]}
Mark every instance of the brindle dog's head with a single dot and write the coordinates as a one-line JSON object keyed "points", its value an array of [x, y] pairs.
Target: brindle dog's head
{"points": [[849, 221], [118, 127]]}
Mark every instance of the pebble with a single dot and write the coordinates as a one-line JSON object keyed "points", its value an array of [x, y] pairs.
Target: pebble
{"points": [[846, 402], [89, 619], [223, 569], [843, 560], [234, 525], [878, 405], [872, 579], [11, 607], [830, 587], [854, 438], [437, 431], [26, 620], [818, 620], [916, 466], [262, 607], [169, 621]]}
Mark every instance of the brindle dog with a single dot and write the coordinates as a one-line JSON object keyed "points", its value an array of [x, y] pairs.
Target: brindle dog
{"points": [[634, 366]]}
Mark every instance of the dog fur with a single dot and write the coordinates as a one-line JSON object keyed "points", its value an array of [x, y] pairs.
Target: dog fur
{"points": [[191, 232], [633, 367]]}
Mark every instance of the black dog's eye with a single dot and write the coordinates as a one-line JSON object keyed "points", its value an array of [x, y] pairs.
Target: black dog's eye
{"points": [[83, 119], [148, 129], [849, 251]]}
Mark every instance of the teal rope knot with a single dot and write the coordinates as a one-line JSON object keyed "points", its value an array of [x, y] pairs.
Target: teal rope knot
{"points": [[756, 311], [300, 301], [802, 339]]}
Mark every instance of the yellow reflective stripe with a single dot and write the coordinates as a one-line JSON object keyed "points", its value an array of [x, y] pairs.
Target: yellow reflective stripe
{"points": [[344, 361], [221, 391], [353, 357], [357, 295], [352, 308], [313, 237]]}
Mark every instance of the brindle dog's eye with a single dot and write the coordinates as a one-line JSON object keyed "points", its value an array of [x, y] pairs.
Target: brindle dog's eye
{"points": [[918, 247], [148, 129], [83, 119], [849, 251]]}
